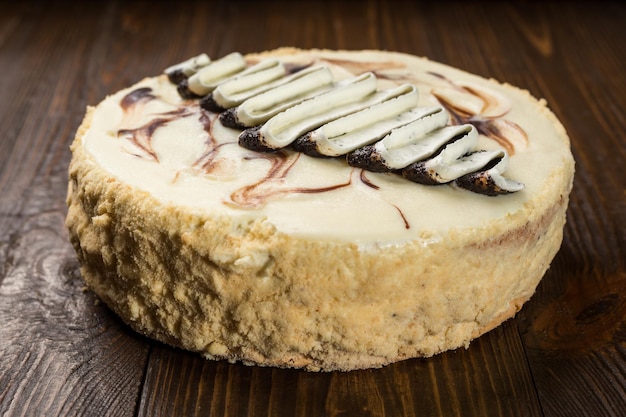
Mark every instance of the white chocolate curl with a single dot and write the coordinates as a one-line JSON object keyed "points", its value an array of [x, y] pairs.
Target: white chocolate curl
{"points": [[397, 107], [427, 146], [448, 164], [345, 98], [288, 92], [488, 181], [417, 140], [190, 66], [206, 79], [249, 83]]}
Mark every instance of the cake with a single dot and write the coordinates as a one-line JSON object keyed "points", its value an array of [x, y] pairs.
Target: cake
{"points": [[317, 209]]}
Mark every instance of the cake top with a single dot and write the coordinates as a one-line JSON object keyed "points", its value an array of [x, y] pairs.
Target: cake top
{"points": [[368, 146]]}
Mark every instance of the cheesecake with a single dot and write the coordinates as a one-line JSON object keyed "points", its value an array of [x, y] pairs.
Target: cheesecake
{"points": [[317, 209]]}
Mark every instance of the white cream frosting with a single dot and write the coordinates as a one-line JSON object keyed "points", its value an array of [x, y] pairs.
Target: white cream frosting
{"points": [[396, 108], [251, 82], [190, 66], [285, 93], [397, 153], [210, 172], [208, 77]]}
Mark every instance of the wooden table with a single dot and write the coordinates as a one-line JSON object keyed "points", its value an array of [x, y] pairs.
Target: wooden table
{"points": [[64, 353]]}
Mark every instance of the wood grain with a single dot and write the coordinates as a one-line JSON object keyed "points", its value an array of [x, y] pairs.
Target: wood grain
{"points": [[63, 353], [456, 383]]}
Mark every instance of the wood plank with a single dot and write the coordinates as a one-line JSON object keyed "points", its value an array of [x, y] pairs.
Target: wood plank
{"points": [[61, 353], [575, 328], [480, 381]]}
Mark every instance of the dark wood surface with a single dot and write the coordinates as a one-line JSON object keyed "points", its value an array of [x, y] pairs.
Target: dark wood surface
{"points": [[63, 353]]}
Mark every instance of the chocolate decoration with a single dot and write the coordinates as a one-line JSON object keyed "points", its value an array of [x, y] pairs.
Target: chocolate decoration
{"points": [[176, 76], [206, 160], [209, 104], [251, 139], [182, 71], [490, 129], [368, 159], [254, 195], [485, 125], [229, 119], [406, 222], [293, 68], [185, 92], [305, 145], [141, 137], [358, 67], [367, 181], [418, 173], [480, 182], [209, 161], [140, 95]]}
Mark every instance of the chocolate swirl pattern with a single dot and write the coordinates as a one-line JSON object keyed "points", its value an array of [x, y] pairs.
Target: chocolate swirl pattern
{"points": [[254, 195], [141, 137], [376, 130]]}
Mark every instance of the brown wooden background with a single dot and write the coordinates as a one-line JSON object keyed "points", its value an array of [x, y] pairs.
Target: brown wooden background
{"points": [[62, 353]]}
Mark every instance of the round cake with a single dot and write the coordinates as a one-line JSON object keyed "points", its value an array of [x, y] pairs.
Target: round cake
{"points": [[317, 209]]}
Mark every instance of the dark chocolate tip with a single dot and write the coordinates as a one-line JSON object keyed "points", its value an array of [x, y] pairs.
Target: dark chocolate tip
{"points": [[251, 139], [480, 182], [418, 173], [368, 159], [208, 103], [185, 92], [291, 68], [176, 76], [229, 119], [307, 146]]}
